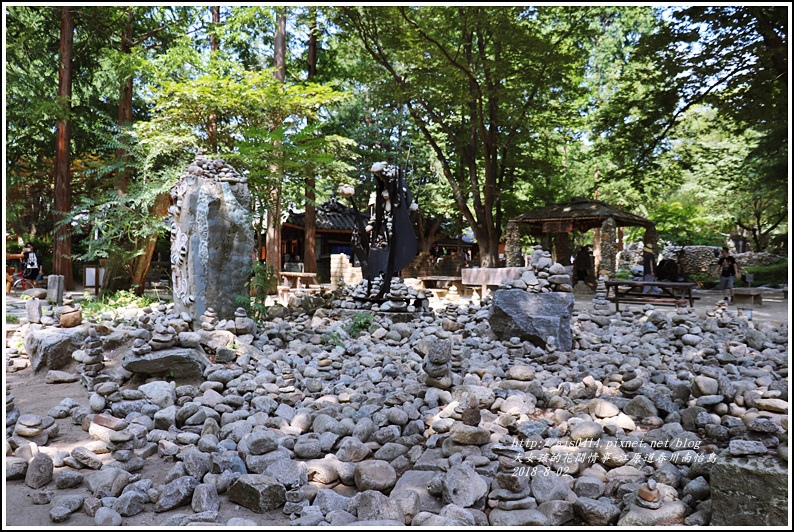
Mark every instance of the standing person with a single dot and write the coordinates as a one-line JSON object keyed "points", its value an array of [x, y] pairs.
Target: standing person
{"points": [[583, 265], [728, 274], [31, 263], [649, 269]]}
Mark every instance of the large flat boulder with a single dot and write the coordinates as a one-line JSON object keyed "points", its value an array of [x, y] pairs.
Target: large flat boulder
{"points": [[181, 362], [749, 492], [533, 317], [52, 348]]}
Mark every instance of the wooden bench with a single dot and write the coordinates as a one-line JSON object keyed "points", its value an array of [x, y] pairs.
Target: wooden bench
{"points": [[752, 296], [631, 292], [485, 277], [432, 281]]}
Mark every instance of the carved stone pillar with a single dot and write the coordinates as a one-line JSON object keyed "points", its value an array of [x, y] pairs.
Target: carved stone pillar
{"points": [[609, 248], [211, 239], [513, 255]]}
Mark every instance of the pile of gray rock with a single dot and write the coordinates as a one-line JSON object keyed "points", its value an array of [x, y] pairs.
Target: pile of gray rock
{"points": [[647, 418], [398, 298], [541, 276]]}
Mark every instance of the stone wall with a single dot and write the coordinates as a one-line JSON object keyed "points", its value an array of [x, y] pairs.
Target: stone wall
{"points": [[749, 259], [694, 259], [212, 238]]}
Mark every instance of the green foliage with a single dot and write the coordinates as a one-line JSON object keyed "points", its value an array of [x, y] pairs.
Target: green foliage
{"points": [[678, 114], [680, 223], [332, 339], [773, 274], [362, 321], [94, 308], [623, 275], [704, 280], [262, 281], [115, 224], [12, 319]]}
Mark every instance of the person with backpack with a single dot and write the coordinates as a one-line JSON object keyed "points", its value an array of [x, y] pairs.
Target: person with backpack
{"points": [[32, 264], [729, 272]]}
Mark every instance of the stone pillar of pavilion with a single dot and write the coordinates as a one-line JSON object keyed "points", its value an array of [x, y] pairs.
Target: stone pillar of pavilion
{"points": [[562, 246], [609, 248], [597, 250], [513, 255]]}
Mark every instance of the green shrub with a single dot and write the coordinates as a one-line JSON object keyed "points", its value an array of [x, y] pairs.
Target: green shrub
{"points": [[704, 280], [361, 322], [331, 339], [93, 308], [262, 281], [623, 275], [773, 275], [12, 319]]}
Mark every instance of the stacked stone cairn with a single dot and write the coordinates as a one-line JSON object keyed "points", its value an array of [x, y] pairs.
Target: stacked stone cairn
{"points": [[69, 315], [209, 320], [90, 359], [12, 413], [542, 275], [399, 297], [600, 302], [36, 429], [436, 364], [16, 358]]}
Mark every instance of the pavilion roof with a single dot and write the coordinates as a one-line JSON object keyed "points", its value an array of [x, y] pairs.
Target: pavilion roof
{"points": [[330, 216], [583, 213]]}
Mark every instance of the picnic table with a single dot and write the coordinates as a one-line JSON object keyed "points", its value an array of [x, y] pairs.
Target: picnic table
{"points": [[631, 292], [298, 279]]}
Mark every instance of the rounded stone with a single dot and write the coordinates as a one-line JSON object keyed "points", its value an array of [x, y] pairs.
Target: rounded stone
{"points": [[587, 430], [376, 475]]}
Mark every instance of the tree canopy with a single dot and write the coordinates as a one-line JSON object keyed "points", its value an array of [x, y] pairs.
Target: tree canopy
{"points": [[677, 113]]}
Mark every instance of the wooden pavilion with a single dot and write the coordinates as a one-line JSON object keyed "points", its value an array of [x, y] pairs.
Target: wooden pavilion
{"points": [[554, 224]]}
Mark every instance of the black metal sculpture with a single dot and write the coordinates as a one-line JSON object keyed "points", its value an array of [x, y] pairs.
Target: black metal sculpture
{"points": [[387, 243]]}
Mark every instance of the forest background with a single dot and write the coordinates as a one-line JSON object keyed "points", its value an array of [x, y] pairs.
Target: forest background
{"points": [[677, 114]]}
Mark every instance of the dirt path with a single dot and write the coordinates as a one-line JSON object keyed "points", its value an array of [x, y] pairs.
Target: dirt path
{"points": [[32, 395]]}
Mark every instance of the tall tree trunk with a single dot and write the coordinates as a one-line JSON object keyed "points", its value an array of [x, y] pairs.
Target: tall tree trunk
{"points": [[310, 219], [117, 275], [273, 243], [124, 117], [212, 127], [62, 263], [280, 45], [141, 263]]}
